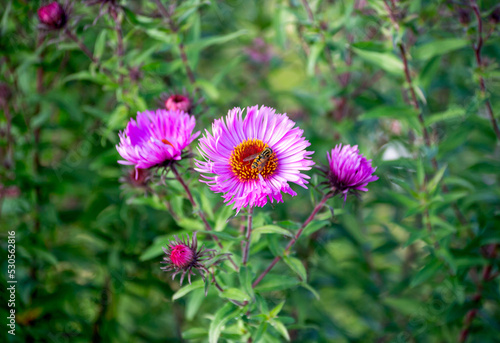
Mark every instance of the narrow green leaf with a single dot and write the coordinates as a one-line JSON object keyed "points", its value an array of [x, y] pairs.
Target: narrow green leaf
{"points": [[276, 283], [272, 229], [186, 289], [206, 42], [193, 303], [313, 57], [431, 187], [280, 327], [260, 332], [310, 289], [235, 294], [296, 266], [246, 281], [314, 226], [222, 316], [438, 47], [275, 311], [385, 60], [100, 44], [426, 273]]}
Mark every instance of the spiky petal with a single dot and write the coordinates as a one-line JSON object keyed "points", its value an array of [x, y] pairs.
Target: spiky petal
{"points": [[348, 170]]}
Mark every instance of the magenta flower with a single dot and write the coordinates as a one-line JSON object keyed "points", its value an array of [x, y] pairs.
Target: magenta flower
{"points": [[178, 102], [156, 138], [52, 16], [348, 171], [254, 158], [182, 256]]}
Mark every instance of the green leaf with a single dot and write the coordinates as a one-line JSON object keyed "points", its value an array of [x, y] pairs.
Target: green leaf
{"points": [[260, 332], [280, 327], [195, 333], [272, 229], [385, 60], [276, 283], [296, 266], [426, 273], [314, 226], [275, 311], [235, 294], [407, 306], [100, 44], [246, 281], [431, 187], [395, 112], [194, 302], [313, 57], [310, 289], [449, 114], [222, 316], [206, 42], [186, 289], [438, 47]]}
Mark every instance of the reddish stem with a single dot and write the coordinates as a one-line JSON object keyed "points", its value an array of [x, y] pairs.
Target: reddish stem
{"points": [[200, 212], [293, 240], [477, 52]]}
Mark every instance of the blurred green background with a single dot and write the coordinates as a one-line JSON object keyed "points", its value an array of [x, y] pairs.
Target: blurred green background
{"points": [[88, 245]]}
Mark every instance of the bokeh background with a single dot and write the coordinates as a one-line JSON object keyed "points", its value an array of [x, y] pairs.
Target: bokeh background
{"points": [[415, 259]]}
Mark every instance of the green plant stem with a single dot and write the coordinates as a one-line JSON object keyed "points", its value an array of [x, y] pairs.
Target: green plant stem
{"points": [[248, 236], [200, 212], [293, 240]]}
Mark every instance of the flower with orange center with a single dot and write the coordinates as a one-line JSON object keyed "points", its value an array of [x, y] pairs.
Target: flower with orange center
{"points": [[253, 159], [242, 158]]}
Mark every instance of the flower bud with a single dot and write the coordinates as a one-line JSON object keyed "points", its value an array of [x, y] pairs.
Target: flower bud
{"points": [[52, 15], [463, 16], [178, 102], [495, 16]]}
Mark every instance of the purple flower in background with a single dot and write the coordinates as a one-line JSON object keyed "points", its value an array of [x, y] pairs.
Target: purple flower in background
{"points": [[178, 102], [259, 52], [156, 138], [182, 256], [254, 158], [52, 16], [348, 170]]}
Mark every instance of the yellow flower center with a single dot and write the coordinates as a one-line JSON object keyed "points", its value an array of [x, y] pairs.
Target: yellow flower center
{"points": [[241, 165]]}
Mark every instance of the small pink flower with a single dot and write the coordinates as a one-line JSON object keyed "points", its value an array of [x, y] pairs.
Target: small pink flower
{"points": [[53, 16], [178, 102], [348, 171], [182, 256], [156, 138]]}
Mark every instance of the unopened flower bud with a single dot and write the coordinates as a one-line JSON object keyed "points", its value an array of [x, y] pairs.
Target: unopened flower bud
{"points": [[178, 102], [495, 16], [52, 15], [463, 16]]}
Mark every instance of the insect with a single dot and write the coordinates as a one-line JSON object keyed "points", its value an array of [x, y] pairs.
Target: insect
{"points": [[260, 160]]}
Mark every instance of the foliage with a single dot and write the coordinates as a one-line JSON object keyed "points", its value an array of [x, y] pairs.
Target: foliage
{"points": [[414, 259]]}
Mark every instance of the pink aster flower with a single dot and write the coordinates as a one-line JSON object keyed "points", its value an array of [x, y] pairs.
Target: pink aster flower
{"points": [[254, 158], [348, 171], [156, 138], [182, 256]]}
